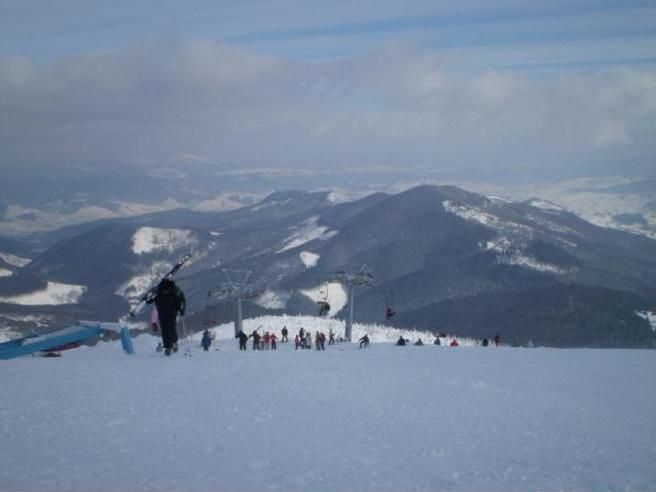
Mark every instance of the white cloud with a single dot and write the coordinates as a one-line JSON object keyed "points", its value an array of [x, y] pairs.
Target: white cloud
{"points": [[395, 105]]}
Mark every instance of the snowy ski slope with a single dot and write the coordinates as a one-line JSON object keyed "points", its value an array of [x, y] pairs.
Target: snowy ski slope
{"points": [[382, 419]]}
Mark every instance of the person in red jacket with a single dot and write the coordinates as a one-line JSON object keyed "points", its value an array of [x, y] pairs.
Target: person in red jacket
{"points": [[454, 343], [497, 340]]}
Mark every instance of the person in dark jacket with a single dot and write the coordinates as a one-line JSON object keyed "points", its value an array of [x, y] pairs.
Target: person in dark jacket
{"points": [[401, 341], [170, 301], [243, 338], [285, 333], [364, 341], [419, 342], [206, 341], [256, 339]]}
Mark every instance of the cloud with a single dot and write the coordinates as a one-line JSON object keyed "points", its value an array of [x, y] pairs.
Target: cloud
{"points": [[396, 105]]}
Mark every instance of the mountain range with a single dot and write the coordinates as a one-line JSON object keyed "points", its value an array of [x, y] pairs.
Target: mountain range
{"points": [[445, 259]]}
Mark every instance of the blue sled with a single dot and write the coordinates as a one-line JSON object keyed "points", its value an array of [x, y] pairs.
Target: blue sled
{"points": [[59, 339]]}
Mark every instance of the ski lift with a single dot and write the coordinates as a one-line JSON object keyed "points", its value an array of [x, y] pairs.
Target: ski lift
{"points": [[324, 305], [390, 310]]}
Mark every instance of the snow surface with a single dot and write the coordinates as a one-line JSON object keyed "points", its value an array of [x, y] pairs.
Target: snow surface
{"points": [[649, 316], [382, 419], [334, 292], [14, 260], [150, 239], [306, 232], [309, 259], [510, 254], [546, 205], [273, 299], [5, 273], [54, 294]]}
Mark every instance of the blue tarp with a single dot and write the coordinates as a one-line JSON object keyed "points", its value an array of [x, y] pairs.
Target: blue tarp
{"points": [[57, 338]]}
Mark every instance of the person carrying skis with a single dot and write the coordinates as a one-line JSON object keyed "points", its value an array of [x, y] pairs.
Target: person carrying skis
{"points": [[170, 301], [206, 341], [364, 341], [256, 339], [243, 338]]}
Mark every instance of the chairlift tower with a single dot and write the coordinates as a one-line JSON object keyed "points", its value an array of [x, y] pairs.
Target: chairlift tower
{"points": [[352, 281], [237, 289]]}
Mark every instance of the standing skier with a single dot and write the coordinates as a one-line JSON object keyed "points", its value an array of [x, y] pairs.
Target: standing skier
{"points": [[243, 338], [284, 332], [206, 341], [170, 302], [256, 339]]}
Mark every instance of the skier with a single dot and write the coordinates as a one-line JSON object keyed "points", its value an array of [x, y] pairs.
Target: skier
{"points": [[486, 342], [297, 342], [364, 341], [419, 343], [454, 343], [331, 337], [170, 301], [401, 341], [322, 341], [273, 339], [308, 340], [206, 341], [497, 340], [284, 332], [256, 339], [243, 338], [437, 341]]}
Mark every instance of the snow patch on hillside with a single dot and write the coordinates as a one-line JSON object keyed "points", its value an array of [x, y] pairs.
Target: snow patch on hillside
{"points": [[306, 232], [273, 299], [546, 205], [53, 295], [137, 285], [532, 263], [309, 259], [334, 292], [483, 217], [14, 260], [649, 316], [510, 253], [150, 239], [5, 273]]}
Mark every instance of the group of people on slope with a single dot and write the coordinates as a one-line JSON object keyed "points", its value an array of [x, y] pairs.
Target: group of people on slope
{"points": [[303, 340]]}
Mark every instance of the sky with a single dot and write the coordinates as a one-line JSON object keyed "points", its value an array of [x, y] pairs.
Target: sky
{"points": [[309, 84]]}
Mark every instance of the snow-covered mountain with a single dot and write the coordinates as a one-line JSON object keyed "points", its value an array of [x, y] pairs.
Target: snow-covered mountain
{"points": [[448, 260]]}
